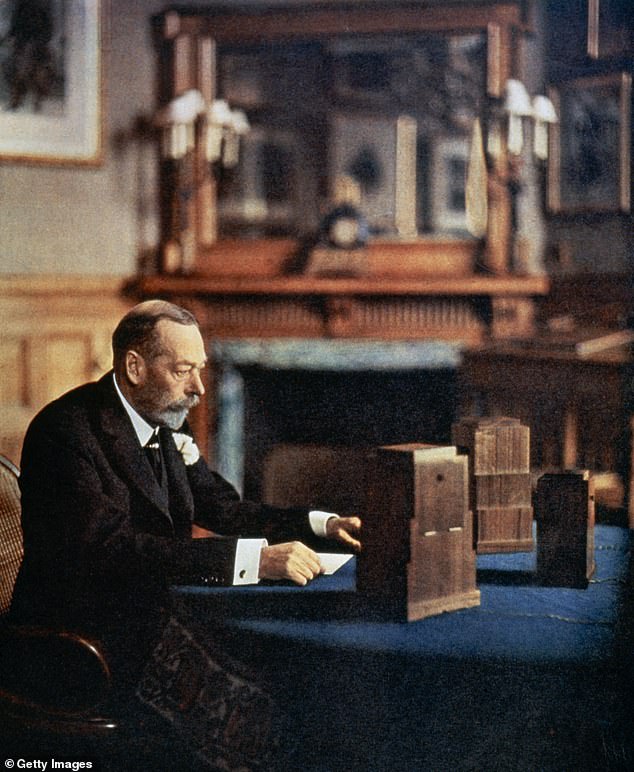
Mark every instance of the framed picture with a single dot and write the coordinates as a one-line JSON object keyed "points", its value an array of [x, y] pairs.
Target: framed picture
{"points": [[449, 157], [364, 72], [380, 155], [262, 191], [589, 159], [50, 81], [610, 28]]}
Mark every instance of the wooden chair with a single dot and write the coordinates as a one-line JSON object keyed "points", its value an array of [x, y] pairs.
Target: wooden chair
{"points": [[53, 683], [56, 687], [10, 531]]}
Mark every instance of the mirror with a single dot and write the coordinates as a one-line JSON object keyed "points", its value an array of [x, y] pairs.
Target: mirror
{"points": [[392, 112]]}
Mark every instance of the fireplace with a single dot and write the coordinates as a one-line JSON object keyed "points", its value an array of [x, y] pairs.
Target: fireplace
{"points": [[372, 358], [326, 393]]}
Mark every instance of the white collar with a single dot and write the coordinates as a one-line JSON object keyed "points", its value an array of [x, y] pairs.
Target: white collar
{"points": [[143, 430]]}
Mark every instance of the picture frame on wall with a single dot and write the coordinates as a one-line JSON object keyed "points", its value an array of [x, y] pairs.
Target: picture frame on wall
{"points": [[379, 154], [610, 28], [449, 159], [50, 82], [589, 166]]}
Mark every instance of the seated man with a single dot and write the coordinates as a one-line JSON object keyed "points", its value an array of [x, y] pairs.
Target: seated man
{"points": [[117, 502]]}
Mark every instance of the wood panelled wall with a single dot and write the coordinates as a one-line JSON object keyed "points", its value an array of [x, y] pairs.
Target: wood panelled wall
{"points": [[54, 335]]}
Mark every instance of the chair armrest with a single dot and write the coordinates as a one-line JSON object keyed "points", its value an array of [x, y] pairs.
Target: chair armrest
{"points": [[52, 670]]}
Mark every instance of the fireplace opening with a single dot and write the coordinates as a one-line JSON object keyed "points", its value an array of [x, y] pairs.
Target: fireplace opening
{"points": [[341, 410], [317, 393]]}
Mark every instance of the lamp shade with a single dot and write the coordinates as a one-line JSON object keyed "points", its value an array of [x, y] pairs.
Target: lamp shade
{"points": [[544, 109], [517, 101], [543, 113], [183, 109], [239, 122], [220, 113], [518, 105]]}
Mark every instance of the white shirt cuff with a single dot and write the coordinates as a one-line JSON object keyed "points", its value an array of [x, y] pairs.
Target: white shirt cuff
{"points": [[318, 521], [246, 568]]}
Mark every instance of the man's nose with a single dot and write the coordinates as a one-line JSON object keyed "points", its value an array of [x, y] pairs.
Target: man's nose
{"points": [[196, 384]]}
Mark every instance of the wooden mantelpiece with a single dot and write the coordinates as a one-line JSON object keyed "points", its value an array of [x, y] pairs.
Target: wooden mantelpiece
{"points": [[470, 309], [474, 285]]}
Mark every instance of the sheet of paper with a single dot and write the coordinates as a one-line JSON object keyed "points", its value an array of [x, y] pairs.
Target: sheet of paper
{"points": [[332, 561]]}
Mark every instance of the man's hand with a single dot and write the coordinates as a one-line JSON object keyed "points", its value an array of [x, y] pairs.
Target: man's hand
{"points": [[345, 530], [291, 560]]}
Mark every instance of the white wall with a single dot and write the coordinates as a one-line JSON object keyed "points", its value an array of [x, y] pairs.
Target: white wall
{"points": [[71, 219]]}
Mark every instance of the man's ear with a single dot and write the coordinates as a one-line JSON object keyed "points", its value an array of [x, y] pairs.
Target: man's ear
{"points": [[135, 367]]}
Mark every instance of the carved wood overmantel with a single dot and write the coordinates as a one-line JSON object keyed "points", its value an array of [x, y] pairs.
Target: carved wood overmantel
{"points": [[469, 309], [190, 41]]}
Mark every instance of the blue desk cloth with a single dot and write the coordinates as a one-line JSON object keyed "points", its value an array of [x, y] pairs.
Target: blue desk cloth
{"points": [[535, 678], [515, 621]]}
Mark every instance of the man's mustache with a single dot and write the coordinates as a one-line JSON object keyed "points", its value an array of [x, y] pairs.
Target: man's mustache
{"points": [[186, 403]]}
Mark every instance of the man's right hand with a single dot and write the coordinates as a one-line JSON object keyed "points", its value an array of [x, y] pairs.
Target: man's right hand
{"points": [[291, 560]]}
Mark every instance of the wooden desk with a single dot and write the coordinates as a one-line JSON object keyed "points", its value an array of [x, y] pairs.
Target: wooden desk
{"points": [[579, 409]]}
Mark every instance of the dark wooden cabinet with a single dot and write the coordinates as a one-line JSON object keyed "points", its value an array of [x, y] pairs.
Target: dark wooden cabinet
{"points": [[564, 510]]}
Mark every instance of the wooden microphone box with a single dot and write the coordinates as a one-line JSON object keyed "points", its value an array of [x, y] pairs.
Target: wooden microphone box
{"points": [[500, 494], [418, 557], [564, 511]]}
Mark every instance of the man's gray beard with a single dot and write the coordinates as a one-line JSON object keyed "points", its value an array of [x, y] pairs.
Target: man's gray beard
{"points": [[173, 416]]}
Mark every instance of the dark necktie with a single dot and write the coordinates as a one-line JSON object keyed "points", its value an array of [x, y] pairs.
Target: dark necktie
{"points": [[153, 452]]}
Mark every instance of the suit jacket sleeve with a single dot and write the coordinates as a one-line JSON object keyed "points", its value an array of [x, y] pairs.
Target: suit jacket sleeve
{"points": [[218, 506]]}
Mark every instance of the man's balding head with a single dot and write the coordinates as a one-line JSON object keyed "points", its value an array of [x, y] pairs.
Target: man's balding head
{"points": [[137, 329]]}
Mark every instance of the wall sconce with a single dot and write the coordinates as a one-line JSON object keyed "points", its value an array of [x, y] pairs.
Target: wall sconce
{"points": [[518, 107], [188, 123], [177, 121], [222, 132], [222, 128]]}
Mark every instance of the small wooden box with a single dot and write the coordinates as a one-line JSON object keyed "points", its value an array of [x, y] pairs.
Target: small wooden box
{"points": [[500, 493], [564, 510], [418, 557]]}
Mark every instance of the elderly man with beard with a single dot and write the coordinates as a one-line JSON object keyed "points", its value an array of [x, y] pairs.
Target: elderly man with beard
{"points": [[117, 503]]}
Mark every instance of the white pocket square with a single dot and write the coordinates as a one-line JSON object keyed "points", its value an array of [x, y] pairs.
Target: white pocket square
{"points": [[187, 448]]}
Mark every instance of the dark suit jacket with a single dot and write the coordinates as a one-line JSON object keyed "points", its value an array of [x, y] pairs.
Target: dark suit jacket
{"points": [[102, 540]]}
